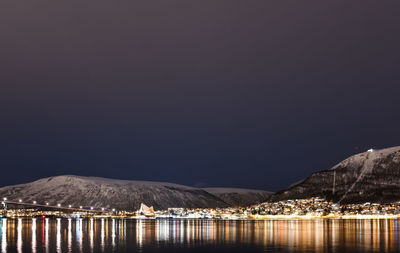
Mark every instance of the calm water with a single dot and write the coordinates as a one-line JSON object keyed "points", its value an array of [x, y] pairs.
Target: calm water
{"points": [[122, 235]]}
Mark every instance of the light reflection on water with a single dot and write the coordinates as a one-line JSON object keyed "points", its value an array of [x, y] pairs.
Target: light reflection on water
{"points": [[69, 235], [33, 235], [46, 239], [19, 240], [102, 235], [91, 231], [121, 235]]}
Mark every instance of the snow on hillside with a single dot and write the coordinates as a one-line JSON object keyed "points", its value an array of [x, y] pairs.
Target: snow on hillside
{"points": [[125, 194], [110, 193], [371, 176], [368, 156]]}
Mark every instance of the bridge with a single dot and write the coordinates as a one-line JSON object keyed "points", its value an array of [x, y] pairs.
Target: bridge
{"points": [[59, 207]]}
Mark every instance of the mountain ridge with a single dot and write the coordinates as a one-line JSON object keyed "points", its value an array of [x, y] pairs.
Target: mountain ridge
{"points": [[371, 176], [239, 196], [112, 193]]}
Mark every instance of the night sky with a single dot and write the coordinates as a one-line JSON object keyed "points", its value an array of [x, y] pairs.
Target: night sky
{"points": [[255, 94]]}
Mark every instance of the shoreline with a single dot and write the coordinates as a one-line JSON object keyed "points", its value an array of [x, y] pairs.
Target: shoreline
{"points": [[250, 218]]}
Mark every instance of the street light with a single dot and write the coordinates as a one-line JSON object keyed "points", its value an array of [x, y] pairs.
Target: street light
{"points": [[69, 206], [5, 199], [102, 209], [47, 203], [20, 201], [58, 205], [80, 207], [91, 208], [34, 202], [113, 210]]}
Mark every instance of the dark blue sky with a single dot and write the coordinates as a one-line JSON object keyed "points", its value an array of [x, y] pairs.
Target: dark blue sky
{"points": [[255, 94]]}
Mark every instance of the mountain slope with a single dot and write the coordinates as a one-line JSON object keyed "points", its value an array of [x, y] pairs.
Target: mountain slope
{"points": [[110, 193], [372, 176], [238, 196]]}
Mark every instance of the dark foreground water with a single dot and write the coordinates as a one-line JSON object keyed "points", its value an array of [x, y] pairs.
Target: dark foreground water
{"points": [[124, 235]]}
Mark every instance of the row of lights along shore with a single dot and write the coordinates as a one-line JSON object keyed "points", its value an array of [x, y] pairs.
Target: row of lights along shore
{"points": [[59, 205]]}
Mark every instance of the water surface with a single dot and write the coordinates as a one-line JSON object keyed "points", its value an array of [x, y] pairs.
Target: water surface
{"points": [[126, 235]]}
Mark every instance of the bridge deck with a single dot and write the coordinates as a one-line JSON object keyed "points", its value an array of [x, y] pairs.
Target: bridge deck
{"points": [[54, 207]]}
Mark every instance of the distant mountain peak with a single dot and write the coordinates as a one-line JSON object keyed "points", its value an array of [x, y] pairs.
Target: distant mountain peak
{"points": [[371, 176], [239, 196]]}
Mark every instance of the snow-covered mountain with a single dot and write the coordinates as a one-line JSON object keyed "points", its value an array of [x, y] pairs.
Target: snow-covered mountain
{"points": [[372, 176], [239, 196], [110, 193], [125, 195]]}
